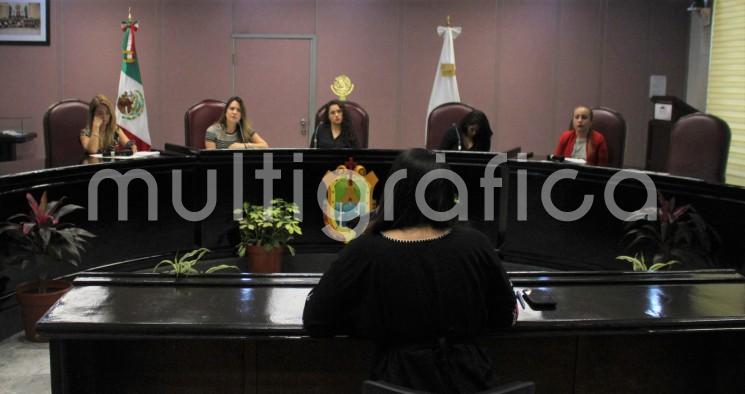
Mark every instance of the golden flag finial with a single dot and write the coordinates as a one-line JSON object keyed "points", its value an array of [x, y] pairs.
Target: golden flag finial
{"points": [[447, 19], [129, 13]]}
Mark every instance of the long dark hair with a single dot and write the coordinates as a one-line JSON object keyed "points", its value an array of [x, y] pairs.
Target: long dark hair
{"points": [[440, 194], [347, 130], [244, 126], [482, 139]]}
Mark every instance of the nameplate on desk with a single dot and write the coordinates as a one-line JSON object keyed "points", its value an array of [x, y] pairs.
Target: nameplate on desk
{"points": [[135, 155], [663, 111]]}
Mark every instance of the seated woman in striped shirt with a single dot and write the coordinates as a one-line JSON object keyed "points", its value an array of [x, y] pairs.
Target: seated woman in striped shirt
{"points": [[233, 130]]}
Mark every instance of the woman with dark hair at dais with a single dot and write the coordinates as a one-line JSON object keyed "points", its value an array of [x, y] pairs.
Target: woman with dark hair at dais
{"points": [[335, 131], [233, 130], [473, 133], [421, 288]]}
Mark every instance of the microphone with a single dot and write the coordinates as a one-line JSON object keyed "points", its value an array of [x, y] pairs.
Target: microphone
{"points": [[315, 135], [457, 134], [555, 158], [240, 132]]}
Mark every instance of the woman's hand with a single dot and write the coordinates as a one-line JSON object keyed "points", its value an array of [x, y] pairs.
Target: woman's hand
{"points": [[97, 122], [239, 145]]}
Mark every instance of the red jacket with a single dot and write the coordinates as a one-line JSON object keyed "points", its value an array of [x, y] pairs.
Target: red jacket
{"points": [[597, 149]]}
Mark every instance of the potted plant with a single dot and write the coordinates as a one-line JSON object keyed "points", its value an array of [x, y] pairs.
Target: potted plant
{"points": [[265, 232], [39, 239], [185, 265], [678, 235]]}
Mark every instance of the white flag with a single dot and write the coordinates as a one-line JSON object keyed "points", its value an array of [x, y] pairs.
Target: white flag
{"points": [[445, 87]]}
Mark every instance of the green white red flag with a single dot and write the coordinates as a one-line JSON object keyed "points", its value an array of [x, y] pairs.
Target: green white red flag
{"points": [[131, 111]]}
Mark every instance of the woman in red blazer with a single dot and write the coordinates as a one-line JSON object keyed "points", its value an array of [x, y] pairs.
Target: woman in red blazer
{"points": [[582, 142]]}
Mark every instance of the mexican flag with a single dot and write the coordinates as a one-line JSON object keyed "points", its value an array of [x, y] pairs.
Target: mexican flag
{"points": [[131, 112]]}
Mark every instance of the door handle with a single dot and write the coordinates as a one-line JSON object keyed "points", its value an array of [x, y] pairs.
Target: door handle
{"points": [[303, 127]]}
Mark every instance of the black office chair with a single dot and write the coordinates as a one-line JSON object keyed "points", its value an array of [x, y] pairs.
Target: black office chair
{"points": [[373, 387]]}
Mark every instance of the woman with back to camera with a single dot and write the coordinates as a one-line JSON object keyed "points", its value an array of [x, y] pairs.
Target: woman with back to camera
{"points": [[335, 131], [421, 289], [102, 134], [233, 130], [472, 134], [581, 141]]}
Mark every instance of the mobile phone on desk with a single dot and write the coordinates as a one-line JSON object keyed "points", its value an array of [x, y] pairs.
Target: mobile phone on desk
{"points": [[539, 299]]}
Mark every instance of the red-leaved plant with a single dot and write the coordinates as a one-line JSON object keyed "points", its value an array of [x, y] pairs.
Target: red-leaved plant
{"points": [[679, 235], [40, 238]]}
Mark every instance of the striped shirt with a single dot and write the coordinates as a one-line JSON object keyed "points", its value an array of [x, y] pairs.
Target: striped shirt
{"points": [[222, 139]]}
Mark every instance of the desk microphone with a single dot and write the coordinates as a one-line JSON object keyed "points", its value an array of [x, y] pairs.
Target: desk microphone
{"points": [[240, 133], [457, 134], [315, 135]]}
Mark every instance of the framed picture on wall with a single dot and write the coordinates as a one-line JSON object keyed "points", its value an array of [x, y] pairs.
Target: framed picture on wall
{"points": [[24, 22]]}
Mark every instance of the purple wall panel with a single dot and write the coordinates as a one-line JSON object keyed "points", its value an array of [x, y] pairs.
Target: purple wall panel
{"points": [[475, 58], [29, 80], [91, 53], [360, 39], [276, 16], [195, 60], [578, 60], [667, 45], [625, 73], [525, 63], [420, 51], [527, 40]]}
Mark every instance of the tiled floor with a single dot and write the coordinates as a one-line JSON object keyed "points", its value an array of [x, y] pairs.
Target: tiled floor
{"points": [[24, 366]]}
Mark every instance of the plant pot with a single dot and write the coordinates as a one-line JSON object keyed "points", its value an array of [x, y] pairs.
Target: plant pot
{"points": [[263, 262], [35, 304]]}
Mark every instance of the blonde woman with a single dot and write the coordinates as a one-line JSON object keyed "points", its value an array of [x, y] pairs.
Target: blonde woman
{"points": [[232, 130], [102, 133]]}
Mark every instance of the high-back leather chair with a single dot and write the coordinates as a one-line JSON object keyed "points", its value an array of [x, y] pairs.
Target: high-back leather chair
{"points": [[63, 123], [358, 117], [441, 119], [699, 146], [613, 127], [198, 118]]}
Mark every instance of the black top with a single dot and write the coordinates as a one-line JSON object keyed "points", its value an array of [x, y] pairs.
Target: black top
{"points": [[420, 301], [450, 142], [326, 140]]}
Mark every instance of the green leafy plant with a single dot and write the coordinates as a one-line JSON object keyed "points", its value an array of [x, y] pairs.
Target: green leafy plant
{"points": [[184, 265], [268, 227], [639, 264], [678, 235], [40, 238]]}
